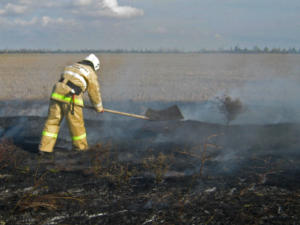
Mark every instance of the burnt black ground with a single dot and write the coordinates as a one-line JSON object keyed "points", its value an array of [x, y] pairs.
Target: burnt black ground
{"points": [[141, 172]]}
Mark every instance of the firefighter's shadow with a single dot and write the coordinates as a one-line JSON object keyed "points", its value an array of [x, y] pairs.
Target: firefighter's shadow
{"points": [[28, 144], [31, 144]]}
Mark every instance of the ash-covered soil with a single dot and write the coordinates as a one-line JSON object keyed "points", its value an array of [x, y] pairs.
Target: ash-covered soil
{"points": [[151, 172]]}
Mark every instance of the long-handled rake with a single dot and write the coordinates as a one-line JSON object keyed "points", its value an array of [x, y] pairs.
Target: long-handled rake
{"points": [[171, 113]]}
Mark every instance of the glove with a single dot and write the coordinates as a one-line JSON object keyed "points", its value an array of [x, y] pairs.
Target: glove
{"points": [[99, 108]]}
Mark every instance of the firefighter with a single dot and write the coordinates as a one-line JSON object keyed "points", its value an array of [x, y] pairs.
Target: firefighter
{"points": [[67, 101]]}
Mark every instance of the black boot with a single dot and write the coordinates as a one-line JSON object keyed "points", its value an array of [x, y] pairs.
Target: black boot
{"points": [[46, 157]]}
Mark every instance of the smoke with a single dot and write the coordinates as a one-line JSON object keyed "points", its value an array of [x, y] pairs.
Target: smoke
{"points": [[15, 130], [268, 126], [23, 108], [237, 143], [268, 101]]}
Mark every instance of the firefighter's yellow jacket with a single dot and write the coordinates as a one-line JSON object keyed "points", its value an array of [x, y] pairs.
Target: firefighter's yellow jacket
{"points": [[82, 76]]}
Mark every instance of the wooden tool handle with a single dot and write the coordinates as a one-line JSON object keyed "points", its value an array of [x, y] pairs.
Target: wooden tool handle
{"points": [[121, 113], [126, 114]]}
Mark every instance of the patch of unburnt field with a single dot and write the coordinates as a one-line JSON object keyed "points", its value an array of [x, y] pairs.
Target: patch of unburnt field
{"points": [[154, 77], [152, 172]]}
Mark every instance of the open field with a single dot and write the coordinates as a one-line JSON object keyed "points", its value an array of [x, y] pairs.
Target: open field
{"points": [[148, 77], [226, 162]]}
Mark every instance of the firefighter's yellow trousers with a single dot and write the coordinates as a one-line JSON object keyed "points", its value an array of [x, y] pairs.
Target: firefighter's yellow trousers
{"points": [[57, 111]]}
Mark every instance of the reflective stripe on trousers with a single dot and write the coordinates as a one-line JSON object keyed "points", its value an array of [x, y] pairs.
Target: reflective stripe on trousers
{"points": [[76, 138], [48, 134], [57, 111]]}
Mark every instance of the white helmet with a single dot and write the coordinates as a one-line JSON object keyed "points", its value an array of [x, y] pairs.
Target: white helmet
{"points": [[93, 59]]}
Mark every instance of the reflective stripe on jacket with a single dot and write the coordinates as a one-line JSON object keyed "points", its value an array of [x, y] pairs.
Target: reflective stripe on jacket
{"points": [[82, 76], [67, 99]]}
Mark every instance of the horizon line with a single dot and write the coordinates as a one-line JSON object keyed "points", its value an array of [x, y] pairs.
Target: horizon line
{"points": [[236, 49]]}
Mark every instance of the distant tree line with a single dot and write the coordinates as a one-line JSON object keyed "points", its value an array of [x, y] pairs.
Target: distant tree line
{"points": [[255, 50], [236, 49], [46, 51]]}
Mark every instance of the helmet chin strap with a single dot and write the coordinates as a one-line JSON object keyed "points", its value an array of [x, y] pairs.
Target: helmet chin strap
{"points": [[97, 67]]}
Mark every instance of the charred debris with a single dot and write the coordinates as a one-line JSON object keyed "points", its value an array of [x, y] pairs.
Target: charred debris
{"points": [[152, 172]]}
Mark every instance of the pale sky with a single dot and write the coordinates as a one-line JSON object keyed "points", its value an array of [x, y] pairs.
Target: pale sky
{"points": [[153, 24]]}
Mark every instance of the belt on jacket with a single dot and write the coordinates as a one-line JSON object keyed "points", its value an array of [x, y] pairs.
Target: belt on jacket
{"points": [[76, 89]]}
